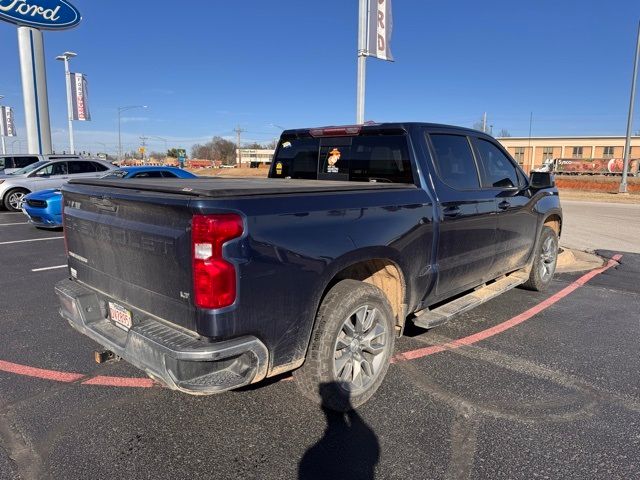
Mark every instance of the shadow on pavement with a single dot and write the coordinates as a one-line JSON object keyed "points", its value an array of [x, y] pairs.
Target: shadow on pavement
{"points": [[349, 448]]}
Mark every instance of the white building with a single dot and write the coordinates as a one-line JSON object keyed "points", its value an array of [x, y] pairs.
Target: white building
{"points": [[246, 156]]}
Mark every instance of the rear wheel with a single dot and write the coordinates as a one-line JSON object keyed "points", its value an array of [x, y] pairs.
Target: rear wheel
{"points": [[14, 198], [544, 262], [351, 346]]}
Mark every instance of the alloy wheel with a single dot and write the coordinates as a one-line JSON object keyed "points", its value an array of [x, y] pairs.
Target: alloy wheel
{"points": [[548, 257], [360, 349], [16, 199]]}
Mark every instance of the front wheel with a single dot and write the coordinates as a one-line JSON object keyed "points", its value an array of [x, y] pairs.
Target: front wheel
{"points": [[351, 346], [14, 198], [544, 262]]}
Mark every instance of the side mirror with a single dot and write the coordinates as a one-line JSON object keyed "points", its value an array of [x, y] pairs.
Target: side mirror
{"points": [[541, 180]]}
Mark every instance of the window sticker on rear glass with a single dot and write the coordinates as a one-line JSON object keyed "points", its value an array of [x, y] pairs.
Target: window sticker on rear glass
{"points": [[279, 168], [332, 159], [286, 145]]}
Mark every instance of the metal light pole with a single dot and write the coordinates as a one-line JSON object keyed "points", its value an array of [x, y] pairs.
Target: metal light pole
{"points": [[363, 14], [120, 110], [4, 146], [166, 148], [104, 147], [279, 127], [65, 58], [627, 143]]}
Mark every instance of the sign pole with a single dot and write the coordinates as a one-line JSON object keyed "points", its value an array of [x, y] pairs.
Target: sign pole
{"points": [[362, 59], [34, 90], [627, 143], [67, 74]]}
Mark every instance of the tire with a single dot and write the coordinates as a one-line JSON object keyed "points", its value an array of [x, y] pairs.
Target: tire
{"points": [[340, 374], [544, 261], [13, 199]]}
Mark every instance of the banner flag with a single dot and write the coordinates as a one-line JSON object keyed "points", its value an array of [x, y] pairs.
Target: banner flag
{"points": [[7, 125], [80, 97], [380, 27]]}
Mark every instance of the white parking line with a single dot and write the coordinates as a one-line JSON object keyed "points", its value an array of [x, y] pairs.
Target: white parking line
{"points": [[48, 268], [30, 240], [19, 223]]}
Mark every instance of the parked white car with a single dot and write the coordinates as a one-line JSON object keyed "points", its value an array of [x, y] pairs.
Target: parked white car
{"points": [[10, 163], [47, 174]]}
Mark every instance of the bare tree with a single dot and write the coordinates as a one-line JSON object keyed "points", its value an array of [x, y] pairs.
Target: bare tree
{"points": [[218, 149], [504, 133]]}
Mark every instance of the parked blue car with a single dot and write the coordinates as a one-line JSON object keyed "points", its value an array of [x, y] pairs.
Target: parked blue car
{"points": [[44, 208]]}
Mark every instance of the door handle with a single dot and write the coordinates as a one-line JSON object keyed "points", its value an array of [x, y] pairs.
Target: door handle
{"points": [[451, 212], [504, 205]]}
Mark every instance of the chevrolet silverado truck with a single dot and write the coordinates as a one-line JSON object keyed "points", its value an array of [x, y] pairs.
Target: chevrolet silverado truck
{"points": [[212, 284]]}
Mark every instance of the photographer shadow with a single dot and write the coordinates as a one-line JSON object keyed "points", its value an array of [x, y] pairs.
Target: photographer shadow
{"points": [[349, 448]]}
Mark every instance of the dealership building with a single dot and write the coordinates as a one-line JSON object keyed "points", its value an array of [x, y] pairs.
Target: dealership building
{"points": [[248, 156], [531, 152]]}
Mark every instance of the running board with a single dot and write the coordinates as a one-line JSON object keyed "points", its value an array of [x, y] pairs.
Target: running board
{"points": [[432, 318]]}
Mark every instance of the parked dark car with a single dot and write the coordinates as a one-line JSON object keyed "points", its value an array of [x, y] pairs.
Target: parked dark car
{"points": [[211, 284]]}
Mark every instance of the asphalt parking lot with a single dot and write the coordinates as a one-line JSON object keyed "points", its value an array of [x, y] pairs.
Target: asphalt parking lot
{"points": [[528, 385]]}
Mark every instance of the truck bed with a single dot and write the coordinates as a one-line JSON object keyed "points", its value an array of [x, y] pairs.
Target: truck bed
{"points": [[239, 187]]}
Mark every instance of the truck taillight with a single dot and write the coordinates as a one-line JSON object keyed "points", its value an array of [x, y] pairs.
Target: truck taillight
{"points": [[214, 278]]}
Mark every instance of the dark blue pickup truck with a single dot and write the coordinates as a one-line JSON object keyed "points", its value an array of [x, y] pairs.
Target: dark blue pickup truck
{"points": [[210, 284]]}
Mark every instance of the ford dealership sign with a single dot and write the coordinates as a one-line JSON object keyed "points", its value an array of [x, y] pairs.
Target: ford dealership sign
{"points": [[43, 14]]}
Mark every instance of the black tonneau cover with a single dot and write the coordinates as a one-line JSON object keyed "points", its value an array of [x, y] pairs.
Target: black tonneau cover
{"points": [[236, 187]]}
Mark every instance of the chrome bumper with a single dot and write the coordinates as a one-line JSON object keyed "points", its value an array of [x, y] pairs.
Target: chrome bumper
{"points": [[168, 354]]}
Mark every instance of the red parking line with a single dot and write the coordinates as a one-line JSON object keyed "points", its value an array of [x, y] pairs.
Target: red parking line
{"points": [[512, 322], [140, 382], [39, 372]]}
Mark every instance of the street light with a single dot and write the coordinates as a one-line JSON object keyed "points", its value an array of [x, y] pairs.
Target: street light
{"points": [[4, 146], [627, 143], [280, 128], [163, 140], [65, 58], [104, 147], [19, 145], [120, 110]]}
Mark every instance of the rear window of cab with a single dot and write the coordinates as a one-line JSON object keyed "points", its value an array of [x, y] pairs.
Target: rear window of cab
{"points": [[363, 158]]}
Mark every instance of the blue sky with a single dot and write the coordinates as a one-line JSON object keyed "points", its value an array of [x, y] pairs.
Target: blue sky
{"points": [[204, 67]]}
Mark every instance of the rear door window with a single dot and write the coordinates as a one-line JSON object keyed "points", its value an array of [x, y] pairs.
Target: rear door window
{"points": [[76, 167], [99, 167], [5, 162], [169, 175], [454, 161], [297, 158], [497, 170]]}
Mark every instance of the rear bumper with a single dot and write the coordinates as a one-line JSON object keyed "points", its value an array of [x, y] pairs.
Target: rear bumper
{"points": [[180, 361]]}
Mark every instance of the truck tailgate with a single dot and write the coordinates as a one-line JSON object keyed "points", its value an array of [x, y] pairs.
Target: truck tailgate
{"points": [[133, 248]]}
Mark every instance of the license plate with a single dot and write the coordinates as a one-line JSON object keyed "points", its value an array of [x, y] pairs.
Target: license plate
{"points": [[120, 316]]}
